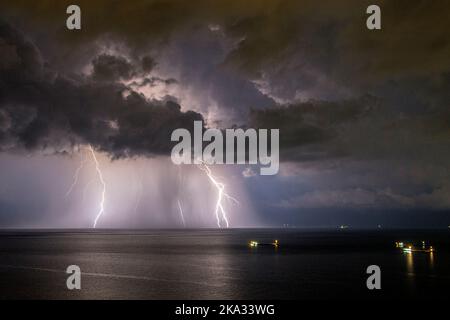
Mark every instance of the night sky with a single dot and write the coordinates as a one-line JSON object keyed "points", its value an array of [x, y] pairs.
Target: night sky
{"points": [[364, 116]]}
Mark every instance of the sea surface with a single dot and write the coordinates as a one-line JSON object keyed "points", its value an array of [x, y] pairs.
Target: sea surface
{"points": [[219, 264]]}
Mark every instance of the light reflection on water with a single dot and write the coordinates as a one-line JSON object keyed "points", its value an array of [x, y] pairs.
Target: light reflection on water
{"points": [[409, 263], [216, 264], [427, 259], [431, 261], [419, 265]]}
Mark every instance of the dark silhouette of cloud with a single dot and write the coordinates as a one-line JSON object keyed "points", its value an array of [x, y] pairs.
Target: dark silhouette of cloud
{"points": [[112, 68], [42, 109]]}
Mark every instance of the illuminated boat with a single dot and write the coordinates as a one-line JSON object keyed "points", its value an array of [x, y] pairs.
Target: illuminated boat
{"points": [[254, 244], [410, 247]]}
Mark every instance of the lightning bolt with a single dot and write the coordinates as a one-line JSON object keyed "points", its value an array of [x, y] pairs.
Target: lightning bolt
{"points": [[76, 174], [181, 213], [220, 211], [100, 176], [180, 208]]}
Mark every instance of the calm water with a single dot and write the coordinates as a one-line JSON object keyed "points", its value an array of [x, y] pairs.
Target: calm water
{"points": [[218, 264]]}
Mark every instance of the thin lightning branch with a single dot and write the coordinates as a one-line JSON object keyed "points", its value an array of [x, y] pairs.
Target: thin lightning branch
{"points": [[220, 211], [230, 198], [76, 174], [100, 176], [181, 213], [75, 181], [180, 208]]}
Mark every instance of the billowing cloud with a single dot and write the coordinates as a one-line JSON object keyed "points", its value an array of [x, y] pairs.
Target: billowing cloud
{"points": [[41, 108], [366, 128], [111, 68]]}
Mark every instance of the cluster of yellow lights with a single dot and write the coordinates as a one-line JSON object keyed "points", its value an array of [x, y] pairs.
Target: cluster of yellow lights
{"points": [[408, 248], [399, 244], [254, 244]]}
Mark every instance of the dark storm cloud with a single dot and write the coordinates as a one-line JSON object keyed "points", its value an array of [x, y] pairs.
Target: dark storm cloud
{"points": [[331, 38], [107, 67], [367, 152], [195, 56], [294, 50], [313, 130], [313, 122], [366, 128], [40, 108], [414, 38], [153, 81], [148, 63], [112, 68]]}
